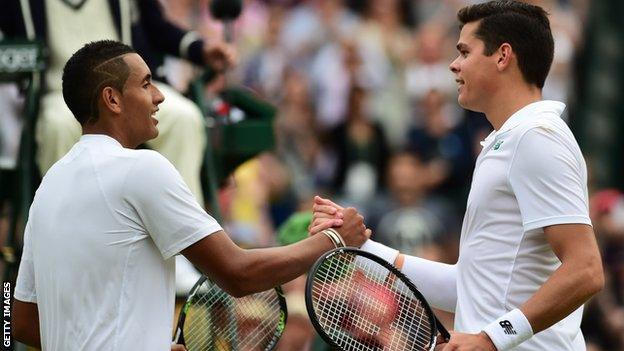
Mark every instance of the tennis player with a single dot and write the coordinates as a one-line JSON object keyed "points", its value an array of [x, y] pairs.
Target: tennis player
{"points": [[97, 271], [528, 258]]}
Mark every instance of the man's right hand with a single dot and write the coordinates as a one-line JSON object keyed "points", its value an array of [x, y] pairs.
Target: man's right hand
{"points": [[353, 231], [219, 55], [325, 214]]}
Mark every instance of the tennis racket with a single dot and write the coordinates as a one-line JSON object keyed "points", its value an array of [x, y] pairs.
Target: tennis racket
{"points": [[211, 319], [358, 301]]}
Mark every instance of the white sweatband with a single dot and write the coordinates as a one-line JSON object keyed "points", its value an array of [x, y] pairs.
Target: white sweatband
{"points": [[509, 331], [388, 254]]}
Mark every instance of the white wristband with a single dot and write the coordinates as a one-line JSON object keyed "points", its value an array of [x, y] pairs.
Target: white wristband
{"points": [[386, 253], [332, 238], [509, 331], [337, 237]]}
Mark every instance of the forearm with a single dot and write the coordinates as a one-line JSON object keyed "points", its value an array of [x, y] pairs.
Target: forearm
{"points": [[436, 281], [31, 338], [567, 289], [25, 323], [284, 263]]}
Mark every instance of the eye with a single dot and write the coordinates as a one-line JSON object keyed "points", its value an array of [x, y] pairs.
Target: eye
{"points": [[463, 53], [146, 85]]}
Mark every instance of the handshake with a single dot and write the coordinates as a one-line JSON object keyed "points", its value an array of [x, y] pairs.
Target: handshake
{"points": [[347, 222]]}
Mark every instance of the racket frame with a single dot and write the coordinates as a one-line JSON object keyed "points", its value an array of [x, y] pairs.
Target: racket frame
{"points": [[178, 337]]}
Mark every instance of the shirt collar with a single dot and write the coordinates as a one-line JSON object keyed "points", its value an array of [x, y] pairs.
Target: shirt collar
{"points": [[101, 139], [524, 115]]}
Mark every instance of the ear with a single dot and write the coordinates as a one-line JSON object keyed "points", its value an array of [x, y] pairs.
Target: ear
{"points": [[505, 55], [111, 99]]}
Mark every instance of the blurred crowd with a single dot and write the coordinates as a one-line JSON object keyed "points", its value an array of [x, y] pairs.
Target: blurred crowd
{"points": [[366, 113]]}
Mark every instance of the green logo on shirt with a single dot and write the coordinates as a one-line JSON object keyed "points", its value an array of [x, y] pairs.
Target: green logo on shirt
{"points": [[498, 144]]}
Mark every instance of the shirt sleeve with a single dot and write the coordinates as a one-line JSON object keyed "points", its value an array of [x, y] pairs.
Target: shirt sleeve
{"points": [[436, 281], [25, 287], [168, 210], [549, 179]]}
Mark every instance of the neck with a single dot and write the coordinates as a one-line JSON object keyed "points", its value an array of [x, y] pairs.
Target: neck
{"points": [[101, 127], [509, 101]]}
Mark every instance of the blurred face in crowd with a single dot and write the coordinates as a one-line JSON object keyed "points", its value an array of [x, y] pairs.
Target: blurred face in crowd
{"points": [[475, 73], [139, 102], [406, 176]]}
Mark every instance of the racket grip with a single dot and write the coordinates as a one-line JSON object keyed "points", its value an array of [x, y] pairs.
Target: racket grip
{"points": [[446, 336]]}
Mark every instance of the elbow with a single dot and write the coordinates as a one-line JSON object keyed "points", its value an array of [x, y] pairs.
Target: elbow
{"points": [[593, 279], [598, 282], [237, 281], [236, 289], [20, 332], [233, 284]]}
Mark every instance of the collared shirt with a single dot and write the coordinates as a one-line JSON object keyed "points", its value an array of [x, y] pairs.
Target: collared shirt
{"points": [[529, 175], [103, 228]]}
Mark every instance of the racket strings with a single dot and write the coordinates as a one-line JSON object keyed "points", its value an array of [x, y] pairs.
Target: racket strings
{"points": [[217, 321], [361, 309]]}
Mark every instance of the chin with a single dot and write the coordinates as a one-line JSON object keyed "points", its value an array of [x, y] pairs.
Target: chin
{"points": [[466, 104], [154, 134], [462, 102]]}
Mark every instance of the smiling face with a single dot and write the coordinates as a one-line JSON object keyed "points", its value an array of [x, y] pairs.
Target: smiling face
{"points": [[475, 73], [139, 102]]}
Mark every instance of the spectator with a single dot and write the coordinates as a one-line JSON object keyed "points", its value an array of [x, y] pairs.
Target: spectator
{"points": [[295, 131], [361, 150], [446, 150], [411, 220], [61, 25], [603, 323], [265, 70]]}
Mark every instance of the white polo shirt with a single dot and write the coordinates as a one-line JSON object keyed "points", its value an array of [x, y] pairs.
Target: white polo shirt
{"points": [[103, 228], [530, 174]]}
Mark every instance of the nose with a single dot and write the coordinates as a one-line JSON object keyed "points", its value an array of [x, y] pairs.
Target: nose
{"points": [[454, 66], [157, 96]]}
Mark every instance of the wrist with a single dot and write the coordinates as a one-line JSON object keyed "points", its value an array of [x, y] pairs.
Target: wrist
{"points": [[509, 330], [386, 253], [334, 237], [487, 339]]}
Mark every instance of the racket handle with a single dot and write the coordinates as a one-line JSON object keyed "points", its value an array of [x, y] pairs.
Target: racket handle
{"points": [[445, 334]]}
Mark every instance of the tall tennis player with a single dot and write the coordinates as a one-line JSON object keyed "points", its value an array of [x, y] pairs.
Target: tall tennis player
{"points": [[528, 257]]}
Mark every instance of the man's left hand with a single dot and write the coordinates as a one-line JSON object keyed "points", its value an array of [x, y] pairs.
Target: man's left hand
{"points": [[219, 55], [468, 342]]}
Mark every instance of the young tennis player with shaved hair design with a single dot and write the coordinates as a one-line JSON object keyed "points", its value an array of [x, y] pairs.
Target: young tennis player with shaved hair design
{"points": [[97, 271], [528, 257]]}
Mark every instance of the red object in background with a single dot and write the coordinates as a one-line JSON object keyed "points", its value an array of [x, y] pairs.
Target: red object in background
{"points": [[375, 307], [603, 201]]}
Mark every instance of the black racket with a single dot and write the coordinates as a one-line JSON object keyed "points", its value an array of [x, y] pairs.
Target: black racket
{"points": [[358, 301], [211, 319]]}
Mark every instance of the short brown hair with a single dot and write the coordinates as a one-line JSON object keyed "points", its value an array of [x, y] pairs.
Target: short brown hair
{"points": [[525, 27]]}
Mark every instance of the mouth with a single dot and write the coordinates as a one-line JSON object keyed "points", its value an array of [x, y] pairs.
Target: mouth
{"points": [[153, 115], [460, 83]]}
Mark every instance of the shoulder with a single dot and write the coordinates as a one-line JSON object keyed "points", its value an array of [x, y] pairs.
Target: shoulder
{"points": [[149, 161], [545, 134], [149, 168], [546, 146]]}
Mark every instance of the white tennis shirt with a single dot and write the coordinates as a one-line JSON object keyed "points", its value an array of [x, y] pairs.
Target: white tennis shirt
{"points": [[529, 175], [103, 228]]}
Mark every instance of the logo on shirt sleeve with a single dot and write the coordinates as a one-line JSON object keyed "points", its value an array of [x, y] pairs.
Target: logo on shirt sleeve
{"points": [[507, 327], [498, 144]]}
